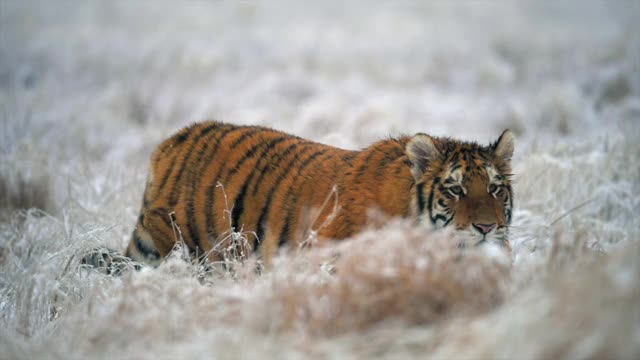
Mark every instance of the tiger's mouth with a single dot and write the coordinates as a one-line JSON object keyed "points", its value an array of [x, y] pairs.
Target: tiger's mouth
{"points": [[468, 239]]}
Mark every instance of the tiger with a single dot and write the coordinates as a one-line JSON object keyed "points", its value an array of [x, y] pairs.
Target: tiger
{"points": [[213, 178]]}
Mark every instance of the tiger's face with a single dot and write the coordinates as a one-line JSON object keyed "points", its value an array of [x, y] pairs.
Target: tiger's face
{"points": [[464, 186]]}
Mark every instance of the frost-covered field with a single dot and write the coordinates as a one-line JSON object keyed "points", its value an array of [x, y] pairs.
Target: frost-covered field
{"points": [[87, 89]]}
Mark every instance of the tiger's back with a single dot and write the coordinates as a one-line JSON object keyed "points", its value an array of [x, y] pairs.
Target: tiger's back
{"points": [[212, 178]]}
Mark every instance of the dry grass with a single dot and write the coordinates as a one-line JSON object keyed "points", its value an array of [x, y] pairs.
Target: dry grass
{"points": [[87, 90], [402, 292], [20, 191], [407, 276]]}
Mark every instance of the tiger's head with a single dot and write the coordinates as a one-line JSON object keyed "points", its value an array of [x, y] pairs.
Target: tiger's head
{"points": [[464, 185]]}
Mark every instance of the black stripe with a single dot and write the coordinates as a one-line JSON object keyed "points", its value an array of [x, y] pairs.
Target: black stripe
{"points": [[399, 168], [183, 135], [212, 153], [509, 212], [441, 217], [264, 162], [173, 197], [145, 198], [191, 229], [295, 195], [365, 164], [146, 251], [207, 161], [166, 218], [177, 138], [420, 196], [359, 172], [433, 186], [210, 201], [243, 137], [397, 149], [238, 207], [274, 165], [285, 233], [209, 207], [449, 221], [192, 225], [264, 212], [250, 154], [348, 157], [389, 158], [165, 178], [162, 214]]}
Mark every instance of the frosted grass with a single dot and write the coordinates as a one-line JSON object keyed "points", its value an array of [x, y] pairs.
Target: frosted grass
{"points": [[87, 90]]}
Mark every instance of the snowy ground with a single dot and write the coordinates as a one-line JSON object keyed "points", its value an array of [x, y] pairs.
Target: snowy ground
{"points": [[87, 89]]}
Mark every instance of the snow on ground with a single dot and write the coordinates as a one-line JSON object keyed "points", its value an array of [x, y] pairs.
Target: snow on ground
{"points": [[87, 89]]}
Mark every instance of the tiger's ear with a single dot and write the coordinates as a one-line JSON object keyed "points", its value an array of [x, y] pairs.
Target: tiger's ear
{"points": [[503, 148], [421, 152]]}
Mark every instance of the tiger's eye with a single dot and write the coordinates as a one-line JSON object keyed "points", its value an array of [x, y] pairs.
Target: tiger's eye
{"points": [[498, 192], [456, 190]]}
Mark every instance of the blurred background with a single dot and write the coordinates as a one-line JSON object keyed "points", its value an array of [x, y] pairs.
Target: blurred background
{"points": [[89, 88]]}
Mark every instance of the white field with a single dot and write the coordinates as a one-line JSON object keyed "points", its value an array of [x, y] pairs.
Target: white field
{"points": [[87, 89]]}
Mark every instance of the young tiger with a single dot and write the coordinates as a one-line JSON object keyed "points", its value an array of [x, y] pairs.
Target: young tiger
{"points": [[212, 176]]}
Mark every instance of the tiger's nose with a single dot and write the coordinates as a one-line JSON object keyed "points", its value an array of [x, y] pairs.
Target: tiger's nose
{"points": [[484, 228]]}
